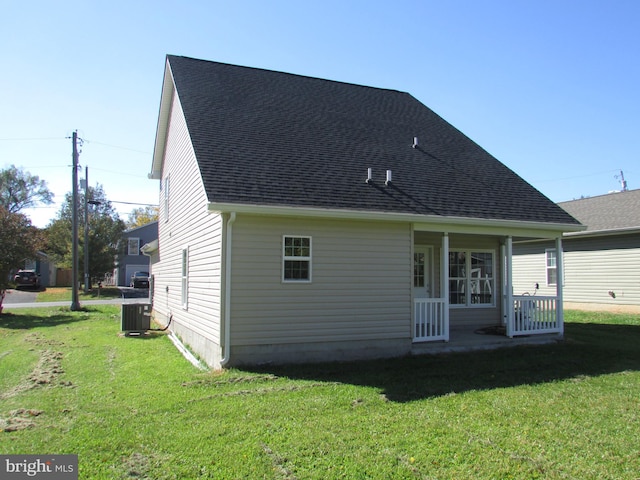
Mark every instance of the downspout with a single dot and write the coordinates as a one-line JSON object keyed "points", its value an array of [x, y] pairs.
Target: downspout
{"points": [[509, 283], [559, 285], [227, 291]]}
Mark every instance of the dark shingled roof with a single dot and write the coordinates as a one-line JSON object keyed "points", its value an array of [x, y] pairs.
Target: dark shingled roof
{"points": [[270, 138], [614, 211]]}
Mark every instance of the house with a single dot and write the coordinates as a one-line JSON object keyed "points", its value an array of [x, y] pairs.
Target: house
{"points": [[601, 264], [43, 267], [304, 219], [131, 258]]}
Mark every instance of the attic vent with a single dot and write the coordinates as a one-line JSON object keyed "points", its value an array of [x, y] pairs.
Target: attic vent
{"points": [[388, 177], [369, 175], [415, 142]]}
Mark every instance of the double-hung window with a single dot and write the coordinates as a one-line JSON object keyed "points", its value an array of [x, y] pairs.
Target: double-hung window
{"points": [[551, 266], [133, 246], [296, 259], [471, 278]]}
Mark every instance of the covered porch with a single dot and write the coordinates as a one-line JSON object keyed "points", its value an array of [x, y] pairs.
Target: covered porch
{"points": [[459, 291]]}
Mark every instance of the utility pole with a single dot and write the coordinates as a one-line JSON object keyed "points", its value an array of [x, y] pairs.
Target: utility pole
{"points": [[75, 304], [86, 229]]}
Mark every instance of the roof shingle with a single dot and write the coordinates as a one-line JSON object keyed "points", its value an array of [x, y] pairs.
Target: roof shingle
{"points": [[613, 211], [270, 138]]}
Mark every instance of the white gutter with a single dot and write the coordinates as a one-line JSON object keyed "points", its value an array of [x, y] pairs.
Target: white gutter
{"points": [[421, 222], [227, 292]]}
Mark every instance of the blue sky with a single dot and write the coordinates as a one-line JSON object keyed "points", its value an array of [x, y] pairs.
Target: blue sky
{"points": [[550, 88]]}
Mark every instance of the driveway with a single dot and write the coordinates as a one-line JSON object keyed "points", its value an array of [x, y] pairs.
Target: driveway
{"points": [[25, 299], [20, 296]]}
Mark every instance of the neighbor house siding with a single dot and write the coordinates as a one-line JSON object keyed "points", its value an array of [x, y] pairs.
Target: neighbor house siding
{"points": [[360, 288], [529, 269], [599, 265], [593, 267], [187, 224]]}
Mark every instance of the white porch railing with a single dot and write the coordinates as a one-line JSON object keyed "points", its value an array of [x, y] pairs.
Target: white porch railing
{"points": [[430, 320], [534, 315]]}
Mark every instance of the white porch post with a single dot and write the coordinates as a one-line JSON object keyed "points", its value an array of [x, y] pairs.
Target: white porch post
{"points": [[559, 282], [508, 264], [444, 286]]}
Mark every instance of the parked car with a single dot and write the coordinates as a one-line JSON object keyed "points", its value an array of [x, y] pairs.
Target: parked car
{"points": [[27, 278], [140, 280]]}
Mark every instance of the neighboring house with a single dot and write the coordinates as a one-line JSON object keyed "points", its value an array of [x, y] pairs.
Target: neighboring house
{"points": [[131, 258], [42, 267], [304, 219], [601, 264]]}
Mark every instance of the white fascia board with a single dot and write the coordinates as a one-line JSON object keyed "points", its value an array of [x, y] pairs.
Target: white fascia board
{"points": [[168, 90], [601, 233], [425, 223], [150, 247]]}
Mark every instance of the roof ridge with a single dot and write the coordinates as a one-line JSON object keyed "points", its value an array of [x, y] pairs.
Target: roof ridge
{"points": [[282, 72]]}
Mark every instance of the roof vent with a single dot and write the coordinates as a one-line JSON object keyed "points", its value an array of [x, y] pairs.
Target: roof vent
{"points": [[415, 142], [369, 174], [388, 177]]}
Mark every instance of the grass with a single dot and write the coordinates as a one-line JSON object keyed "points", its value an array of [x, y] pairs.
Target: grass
{"points": [[134, 408], [63, 294]]}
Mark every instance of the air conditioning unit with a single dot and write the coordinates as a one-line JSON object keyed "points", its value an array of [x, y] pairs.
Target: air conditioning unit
{"points": [[136, 317]]}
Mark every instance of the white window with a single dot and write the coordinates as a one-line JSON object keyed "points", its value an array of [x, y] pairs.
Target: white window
{"points": [[166, 198], [185, 278], [471, 278], [133, 246], [296, 259], [552, 266]]}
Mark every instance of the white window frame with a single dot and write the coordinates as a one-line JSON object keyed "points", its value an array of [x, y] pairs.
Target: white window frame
{"points": [[548, 267], [184, 267], [166, 197], [296, 258], [136, 249], [468, 279]]}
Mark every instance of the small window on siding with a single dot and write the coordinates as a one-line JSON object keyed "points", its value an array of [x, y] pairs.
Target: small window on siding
{"points": [[185, 278], [133, 246], [166, 198], [296, 259], [552, 266]]}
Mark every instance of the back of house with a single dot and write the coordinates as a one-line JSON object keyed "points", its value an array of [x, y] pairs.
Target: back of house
{"points": [[304, 219]]}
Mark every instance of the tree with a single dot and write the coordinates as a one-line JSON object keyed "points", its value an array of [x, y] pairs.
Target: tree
{"points": [[19, 240], [20, 190], [105, 233], [141, 216]]}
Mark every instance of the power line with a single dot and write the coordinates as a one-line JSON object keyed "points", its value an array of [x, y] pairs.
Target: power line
{"points": [[117, 146]]}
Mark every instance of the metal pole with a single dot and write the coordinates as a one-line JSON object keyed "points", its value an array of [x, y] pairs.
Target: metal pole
{"points": [[86, 230], [75, 304]]}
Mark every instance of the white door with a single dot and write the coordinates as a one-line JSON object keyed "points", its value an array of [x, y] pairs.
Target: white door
{"points": [[422, 274]]}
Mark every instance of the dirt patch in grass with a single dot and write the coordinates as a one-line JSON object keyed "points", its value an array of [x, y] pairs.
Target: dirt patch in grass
{"points": [[47, 371], [19, 419]]}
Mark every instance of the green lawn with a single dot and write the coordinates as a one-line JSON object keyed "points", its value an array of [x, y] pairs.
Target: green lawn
{"points": [[134, 408], [63, 294]]}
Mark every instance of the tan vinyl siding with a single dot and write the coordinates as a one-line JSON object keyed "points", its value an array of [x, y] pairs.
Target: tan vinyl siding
{"points": [[199, 231], [360, 288], [529, 269], [593, 267], [599, 265]]}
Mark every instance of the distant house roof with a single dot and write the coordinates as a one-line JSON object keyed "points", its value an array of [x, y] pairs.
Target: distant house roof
{"points": [[270, 138], [153, 224], [607, 213]]}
